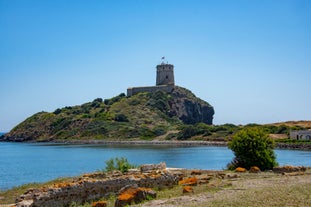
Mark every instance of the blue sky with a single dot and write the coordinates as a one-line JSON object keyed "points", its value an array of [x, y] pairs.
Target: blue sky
{"points": [[250, 59]]}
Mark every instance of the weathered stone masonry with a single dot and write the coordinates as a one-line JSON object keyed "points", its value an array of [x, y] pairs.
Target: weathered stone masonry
{"points": [[88, 189], [165, 81]]}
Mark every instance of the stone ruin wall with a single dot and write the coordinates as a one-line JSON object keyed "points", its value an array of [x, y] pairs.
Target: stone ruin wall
{"points": [[88, 189], [151, 89]]}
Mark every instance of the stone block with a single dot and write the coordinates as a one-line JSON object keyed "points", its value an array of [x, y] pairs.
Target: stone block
{"points": [[133, 194], [254, 169], [99, 204], [153, 167], [187, 189], [189, 181], [240, 170]]}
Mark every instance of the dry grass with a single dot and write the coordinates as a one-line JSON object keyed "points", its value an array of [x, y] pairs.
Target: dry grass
{"points": [[302, 123], [263, 189], [279, 191]]}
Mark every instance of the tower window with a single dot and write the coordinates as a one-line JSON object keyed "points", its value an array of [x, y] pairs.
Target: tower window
{"points": [[167, 77]]}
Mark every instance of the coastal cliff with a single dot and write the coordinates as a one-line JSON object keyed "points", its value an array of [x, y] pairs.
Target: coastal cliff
{"points": [[142, 116]]}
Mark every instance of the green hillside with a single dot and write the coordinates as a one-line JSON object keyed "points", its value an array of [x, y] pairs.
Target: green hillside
{"points": [[142, 116]]}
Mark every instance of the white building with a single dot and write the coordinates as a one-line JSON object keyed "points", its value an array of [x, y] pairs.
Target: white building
{"points": [[300, 135]]}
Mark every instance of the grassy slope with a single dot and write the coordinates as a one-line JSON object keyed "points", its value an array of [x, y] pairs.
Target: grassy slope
{"points": [[119, 117]]}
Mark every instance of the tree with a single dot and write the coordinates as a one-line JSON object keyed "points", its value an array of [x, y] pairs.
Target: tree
{"points": [[252, 147]]}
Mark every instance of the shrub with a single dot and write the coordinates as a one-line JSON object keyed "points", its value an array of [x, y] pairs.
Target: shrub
{"points": [[114, 99], [252, 147], [145, 132], [57, 111], [188, 132], [159, 100], [121, 118], [96, 103], [159, 130], [121, 164], [283, 129]]}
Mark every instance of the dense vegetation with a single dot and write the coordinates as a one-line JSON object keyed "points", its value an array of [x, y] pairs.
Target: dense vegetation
{"points": [[252, 147]]}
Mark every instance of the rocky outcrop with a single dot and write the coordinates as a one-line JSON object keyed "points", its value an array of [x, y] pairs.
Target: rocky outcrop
{"points": [[190, 109]]}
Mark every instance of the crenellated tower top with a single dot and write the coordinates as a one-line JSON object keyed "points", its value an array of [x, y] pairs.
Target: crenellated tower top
{"points": [[165, 74]]}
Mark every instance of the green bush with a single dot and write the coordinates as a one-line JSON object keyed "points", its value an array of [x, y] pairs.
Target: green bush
{"points": [[145, 132], [121, 118], [252, 147], [159, 100], [57, 111], [121, 164], [114, 99], [159, 130], [188, 132]]}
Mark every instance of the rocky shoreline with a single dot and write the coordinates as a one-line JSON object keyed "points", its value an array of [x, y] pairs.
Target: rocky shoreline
{"points": [[290, 146], [294, 146], [140, 142]]}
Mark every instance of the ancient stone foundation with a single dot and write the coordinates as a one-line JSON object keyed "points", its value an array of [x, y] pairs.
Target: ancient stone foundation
{"points": [[89, 188]]}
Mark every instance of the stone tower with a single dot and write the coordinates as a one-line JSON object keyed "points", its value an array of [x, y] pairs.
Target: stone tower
{"points": [[165, 74]]}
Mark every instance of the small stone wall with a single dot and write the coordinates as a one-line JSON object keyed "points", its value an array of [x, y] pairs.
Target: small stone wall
{"points": [[88, 188], [151, 89]]}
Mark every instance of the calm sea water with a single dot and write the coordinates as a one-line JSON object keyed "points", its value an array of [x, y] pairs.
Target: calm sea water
{"points": [[22, 163]]}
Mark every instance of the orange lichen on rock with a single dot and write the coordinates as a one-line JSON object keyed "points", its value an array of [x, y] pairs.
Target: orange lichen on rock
{"points": [[134, 194], [254, 169], [187, 189], [129, 194], [189, 181], [240, 169], [99, 204]]}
